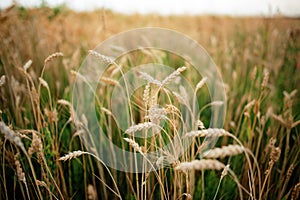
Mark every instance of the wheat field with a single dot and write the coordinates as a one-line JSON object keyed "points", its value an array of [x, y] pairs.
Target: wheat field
{"points": [[42, 149]]}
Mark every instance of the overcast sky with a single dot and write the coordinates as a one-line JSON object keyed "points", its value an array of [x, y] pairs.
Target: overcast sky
{"points": [[227, 7]]}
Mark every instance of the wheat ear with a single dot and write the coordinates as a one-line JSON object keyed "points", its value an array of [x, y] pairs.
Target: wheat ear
{"points": [[140, 126], [134, 145], [71, 155], [173, 75], [211, 132], [224, 151], [204, 164]]}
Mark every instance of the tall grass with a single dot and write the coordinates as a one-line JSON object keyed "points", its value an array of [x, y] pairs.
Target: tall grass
{"points": [[257, 157]]}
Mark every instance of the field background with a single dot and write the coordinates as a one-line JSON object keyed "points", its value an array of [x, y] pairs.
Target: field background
{"points": [[259, 59]]}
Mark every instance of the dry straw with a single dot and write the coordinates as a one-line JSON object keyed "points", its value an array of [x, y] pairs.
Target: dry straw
{"points": [[204, 164]]}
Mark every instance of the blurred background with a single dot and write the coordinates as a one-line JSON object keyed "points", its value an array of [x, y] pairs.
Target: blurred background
{"points": [[166, 7]]}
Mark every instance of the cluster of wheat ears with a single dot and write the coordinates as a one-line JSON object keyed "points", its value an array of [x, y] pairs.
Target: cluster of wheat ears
{"points": [[182, 164]]}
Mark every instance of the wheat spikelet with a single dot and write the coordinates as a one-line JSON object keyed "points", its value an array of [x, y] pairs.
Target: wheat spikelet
{"points": [[140, 126], [253, 74], [109, 81], [2, 80], [72, 155], [149, 78], [173, 75], [11, 135], [146, 95], [27, 65], [169, 108], [180, 98], [134, 145], [108, 112], [225, 171], [44, 83], [211, 132], [41, 183], [224, 151], [52, 56], [200, 124], [201, 83], [159, 161], [250, 104], [275, 154], [156, 114], [216, 103], [104, 58], [290, 171], [265, 80], [295, 192], [92, 194], [20, 173], [204, 164], [64, 102], [36, 145]]}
